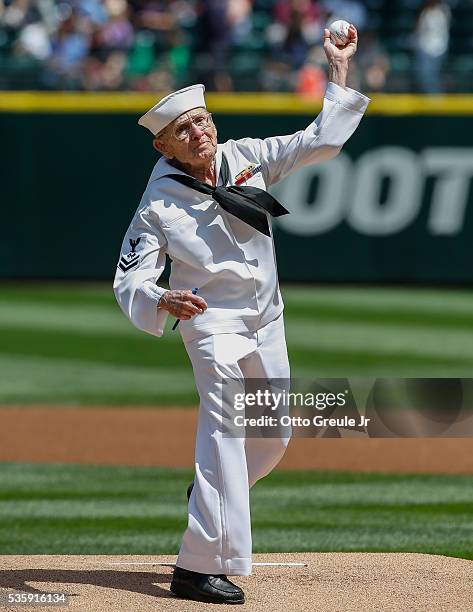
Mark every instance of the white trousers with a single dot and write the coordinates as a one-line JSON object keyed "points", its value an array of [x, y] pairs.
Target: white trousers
{"points": [[218, 537]]}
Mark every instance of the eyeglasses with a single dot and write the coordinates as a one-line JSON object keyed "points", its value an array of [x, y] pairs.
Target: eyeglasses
{"points": [[202, 121]]}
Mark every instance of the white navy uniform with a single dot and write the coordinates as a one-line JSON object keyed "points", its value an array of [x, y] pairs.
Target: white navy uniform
{"points": [[241, 334]]}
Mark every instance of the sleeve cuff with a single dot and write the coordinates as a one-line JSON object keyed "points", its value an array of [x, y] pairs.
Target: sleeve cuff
{"points": [[152, 291], [349, 98], [159, 317]]}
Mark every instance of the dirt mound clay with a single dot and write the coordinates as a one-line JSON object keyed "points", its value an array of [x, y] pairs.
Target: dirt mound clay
{"points": [[165, 437], [327, 582]]}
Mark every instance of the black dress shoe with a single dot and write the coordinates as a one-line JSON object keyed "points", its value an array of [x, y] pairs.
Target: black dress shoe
{"points": [[205, 587], [189, 491]]}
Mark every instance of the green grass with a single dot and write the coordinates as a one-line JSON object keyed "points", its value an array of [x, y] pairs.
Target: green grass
{"points": [[69, 509], [70, 344]]}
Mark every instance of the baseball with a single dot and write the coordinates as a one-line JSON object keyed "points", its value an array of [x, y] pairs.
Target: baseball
{"points": [[339, 32]]}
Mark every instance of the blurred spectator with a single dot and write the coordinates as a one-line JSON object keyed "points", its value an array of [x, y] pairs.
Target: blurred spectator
{"points": [[14, 14], [297, 26], [33, 40], [93, 10], [154, 16], [240, 20], [431, 43], [70, 47], [276, 76], [312, 79], [372, 63], [117, 33], [104, 75], [352, 11], [213, 37]]}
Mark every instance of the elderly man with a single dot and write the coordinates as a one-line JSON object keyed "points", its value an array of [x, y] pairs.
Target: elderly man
{"points": [[206, 206]]}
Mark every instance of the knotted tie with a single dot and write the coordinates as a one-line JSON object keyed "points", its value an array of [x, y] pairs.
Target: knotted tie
{"points": [[246, 203]]}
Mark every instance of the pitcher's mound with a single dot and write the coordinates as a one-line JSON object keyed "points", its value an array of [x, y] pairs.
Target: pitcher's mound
{"points": [[328, 582]]}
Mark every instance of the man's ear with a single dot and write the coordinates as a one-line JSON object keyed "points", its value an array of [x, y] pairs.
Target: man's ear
{"points": [[162, 148]]}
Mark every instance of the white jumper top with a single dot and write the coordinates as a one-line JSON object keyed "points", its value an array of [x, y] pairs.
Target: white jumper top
{"points": [[232, 264]]}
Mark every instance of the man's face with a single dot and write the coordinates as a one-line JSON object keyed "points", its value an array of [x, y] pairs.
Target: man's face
{"points": [[190, 139]]}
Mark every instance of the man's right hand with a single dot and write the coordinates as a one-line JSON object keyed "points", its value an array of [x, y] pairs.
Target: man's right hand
{"points": [[339, 57], [182, 304]]}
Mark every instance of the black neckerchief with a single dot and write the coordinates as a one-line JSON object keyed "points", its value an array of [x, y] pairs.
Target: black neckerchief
{"points": [[246, 203]]}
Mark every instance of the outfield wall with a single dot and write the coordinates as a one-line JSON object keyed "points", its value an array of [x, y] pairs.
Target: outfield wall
{"points": [[394, 206]]}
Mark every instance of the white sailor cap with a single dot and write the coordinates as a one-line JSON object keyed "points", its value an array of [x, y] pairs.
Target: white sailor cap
{"points": [[172, 106]]}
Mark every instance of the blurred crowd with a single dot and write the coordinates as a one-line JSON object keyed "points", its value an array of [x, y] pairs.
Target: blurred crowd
{"points": [[232, 45]]}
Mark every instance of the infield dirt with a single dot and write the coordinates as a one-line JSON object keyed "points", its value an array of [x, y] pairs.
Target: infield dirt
{"points": [[165, 437], [348, 582]]}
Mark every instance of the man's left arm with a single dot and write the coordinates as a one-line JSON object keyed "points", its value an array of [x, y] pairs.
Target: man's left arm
{"points": [[323, 139]]}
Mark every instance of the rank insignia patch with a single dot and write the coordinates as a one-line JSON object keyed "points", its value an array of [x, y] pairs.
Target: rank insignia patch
{"points": [[247, 173], [131, 259]]}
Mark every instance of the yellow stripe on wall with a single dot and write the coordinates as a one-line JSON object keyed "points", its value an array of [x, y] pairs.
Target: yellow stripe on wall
{"points": [[250, 103]]}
